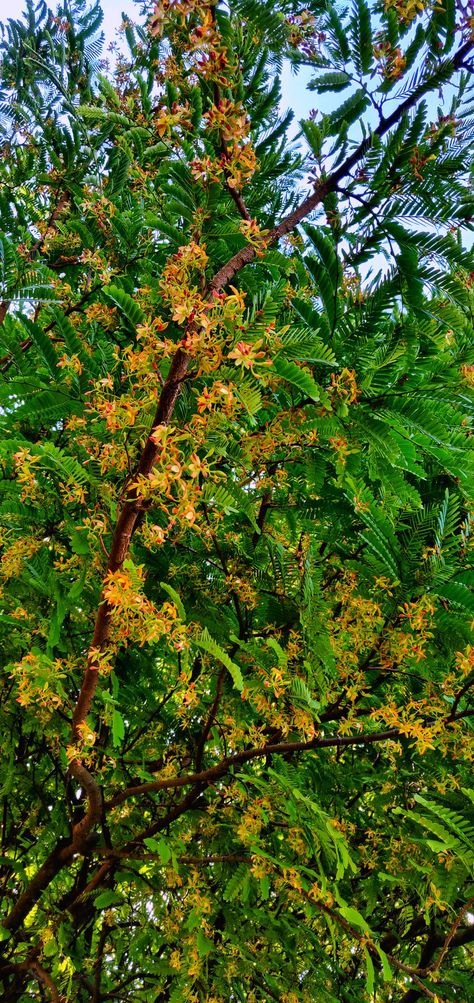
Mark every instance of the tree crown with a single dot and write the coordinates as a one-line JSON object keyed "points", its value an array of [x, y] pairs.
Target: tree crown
{"points": [[236, 498]]}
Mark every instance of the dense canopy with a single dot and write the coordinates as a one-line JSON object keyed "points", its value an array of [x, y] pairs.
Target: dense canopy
{"points": [[236, 499]]}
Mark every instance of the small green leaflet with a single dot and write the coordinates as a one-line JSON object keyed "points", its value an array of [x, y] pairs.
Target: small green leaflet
{"points": [[299, 377], [56, 623], [354, 917], [369, 984], [159, 846], [80, 541], [50, 948], [279, 652], [175, 599], [118, 728], [203, 944], [107, 899], [265, 886], [208, 644], [387, 971]]}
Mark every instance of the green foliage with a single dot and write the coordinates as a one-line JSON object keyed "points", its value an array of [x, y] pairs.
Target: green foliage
{"points": [[236, 497]]}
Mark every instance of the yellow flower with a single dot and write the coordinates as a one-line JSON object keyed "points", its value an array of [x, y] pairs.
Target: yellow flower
{"points": [[246, 354]]}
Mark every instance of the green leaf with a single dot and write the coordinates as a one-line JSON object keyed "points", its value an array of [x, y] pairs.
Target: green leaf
{"points": [[204, 944], [265, 887], [299, 344], [362, 35], [339, 34], [50, 948], [57, 620], [43, 343], [297, 376], [354, 917], [96, 114], [208, 644], [279, 651], [314, 136], [80, 541], [118, 167], [348, 112], [387, 971], [332, 82], [370, 979], [243, 503], [72, 342], [118, 728], [126, 304], [159, 846], [107, 899], [175, 599]]}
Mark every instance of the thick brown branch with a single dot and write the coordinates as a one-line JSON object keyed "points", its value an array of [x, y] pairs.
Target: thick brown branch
{"points": [[237, 198], [95, 806], [279, 749], [104, 933], [122, 537], [60, 857], [21, 972], [469, 684], [220, 769], [124, 530], [262, 512], [451, 934], [45, 978]]}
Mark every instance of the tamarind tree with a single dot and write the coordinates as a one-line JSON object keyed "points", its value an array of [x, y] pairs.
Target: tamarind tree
{"points": [[236, 410]]}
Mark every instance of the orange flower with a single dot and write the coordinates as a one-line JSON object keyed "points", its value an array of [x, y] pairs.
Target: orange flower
{"points": [[246, 354]]}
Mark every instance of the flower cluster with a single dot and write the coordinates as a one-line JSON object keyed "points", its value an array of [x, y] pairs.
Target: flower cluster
{"points": [[391, 61], [25, 463], [135, 618], [38, 681], [407, 10]]}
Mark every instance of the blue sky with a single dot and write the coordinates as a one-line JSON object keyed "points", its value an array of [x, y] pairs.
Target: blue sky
{"points": [[294, 92], [295, 95], [112, 12]]}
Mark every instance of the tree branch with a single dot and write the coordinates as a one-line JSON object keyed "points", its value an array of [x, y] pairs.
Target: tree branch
{"points": [[239, 758], [220, 769], [122, 537], [43, 976], [451, 934], [324, 187], [60, 857]]}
